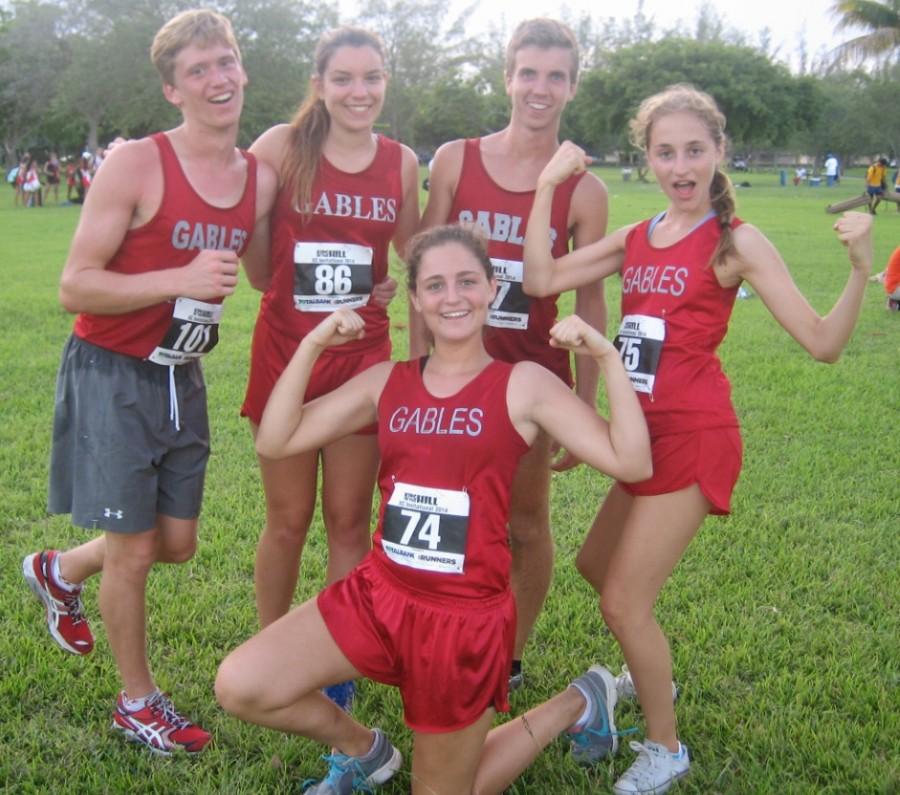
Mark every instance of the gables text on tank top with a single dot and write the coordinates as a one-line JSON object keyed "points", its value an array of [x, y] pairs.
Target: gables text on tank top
{"points": [[518, 325], [184, 224], [447, 465], [335, 258], [674, 315]]}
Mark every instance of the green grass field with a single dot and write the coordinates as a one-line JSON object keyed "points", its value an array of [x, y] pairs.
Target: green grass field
{"points": [[783, 618]]}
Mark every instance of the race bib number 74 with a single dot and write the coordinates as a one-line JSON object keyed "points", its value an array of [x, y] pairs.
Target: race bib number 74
{"points": [[426, 529]]}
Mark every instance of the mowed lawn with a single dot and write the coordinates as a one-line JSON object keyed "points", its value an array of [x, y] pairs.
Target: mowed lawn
{"points": [[783, 617]]}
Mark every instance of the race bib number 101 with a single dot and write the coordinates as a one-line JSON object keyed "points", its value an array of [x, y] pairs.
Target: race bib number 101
{"points": [[426, 528], [640, 341], [193, 332]]}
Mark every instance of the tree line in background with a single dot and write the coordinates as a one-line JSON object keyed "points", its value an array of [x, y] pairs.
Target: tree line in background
{"points": [[76, 73]]}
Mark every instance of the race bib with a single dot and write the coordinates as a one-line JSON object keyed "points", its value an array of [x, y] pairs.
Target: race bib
{"points": [[509, 308], [426, 528], [193, 332], [639, 342], [329, 276]]}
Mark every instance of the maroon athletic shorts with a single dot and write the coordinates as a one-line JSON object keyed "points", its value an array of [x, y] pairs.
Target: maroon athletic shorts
{"points": [[449, 657]]}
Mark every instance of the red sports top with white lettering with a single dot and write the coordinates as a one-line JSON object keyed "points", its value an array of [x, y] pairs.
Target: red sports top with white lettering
{"points": [[677, 285], [447, 466], [184, 224], [333, 258], [518, 325]]}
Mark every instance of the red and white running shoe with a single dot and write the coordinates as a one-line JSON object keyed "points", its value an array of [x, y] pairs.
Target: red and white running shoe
{"points": [[65, 614], [159, 726]]}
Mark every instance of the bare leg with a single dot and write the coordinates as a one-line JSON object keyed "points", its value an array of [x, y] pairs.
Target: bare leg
{"points": [[530, 541], [127, 561], [445, 764], [83, 561], [272, 680], [654, 536], [349, 470], [509, 749], [290, 487]]}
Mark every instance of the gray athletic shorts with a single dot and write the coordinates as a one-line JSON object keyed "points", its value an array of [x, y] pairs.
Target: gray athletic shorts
{"points": [[117, 460]]}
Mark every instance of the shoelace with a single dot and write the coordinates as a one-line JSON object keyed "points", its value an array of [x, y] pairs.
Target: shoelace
{"points": [[339, 764], [643, 770], [72, 601], [161, 704]]}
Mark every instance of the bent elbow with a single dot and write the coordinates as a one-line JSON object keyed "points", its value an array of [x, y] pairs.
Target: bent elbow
{"points": [[67, 297], [638, 471]]}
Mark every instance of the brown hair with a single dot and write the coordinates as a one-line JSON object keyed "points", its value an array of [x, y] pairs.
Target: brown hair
{"points": [[311, 122], [543, 33], [685, 98], [202, 26], [423, 242]]}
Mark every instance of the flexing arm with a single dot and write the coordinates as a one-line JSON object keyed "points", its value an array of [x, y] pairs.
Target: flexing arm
{"points": [[762, 266], [115, 203], [587, 264], [288, 426], [619, 447]]}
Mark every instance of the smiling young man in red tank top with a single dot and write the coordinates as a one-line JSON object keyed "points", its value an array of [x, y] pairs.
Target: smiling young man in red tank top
{"points": [[490, 182], [150, 263]]}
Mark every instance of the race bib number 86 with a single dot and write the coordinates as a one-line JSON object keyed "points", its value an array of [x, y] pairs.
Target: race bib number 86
{"points": [[426, 528], [328, 276]]}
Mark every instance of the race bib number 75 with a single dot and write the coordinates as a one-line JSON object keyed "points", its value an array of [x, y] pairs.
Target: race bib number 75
{"points": [[639, 342]]}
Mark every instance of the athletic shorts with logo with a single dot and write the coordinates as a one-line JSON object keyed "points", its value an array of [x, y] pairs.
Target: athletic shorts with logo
{"points": [[117, 459], [450, 658]]}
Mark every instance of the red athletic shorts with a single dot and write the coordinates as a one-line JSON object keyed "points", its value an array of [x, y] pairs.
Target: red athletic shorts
{"points": [[271, 353], [710, 458], [450, 658]]}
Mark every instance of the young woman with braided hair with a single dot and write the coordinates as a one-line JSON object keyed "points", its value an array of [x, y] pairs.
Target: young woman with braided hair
{"points": [[681, 271]]}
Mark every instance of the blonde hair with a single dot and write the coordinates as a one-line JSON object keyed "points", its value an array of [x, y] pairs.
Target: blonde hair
{"points": [[311, 122], [201, 26], [685, 98], [543, 33]]}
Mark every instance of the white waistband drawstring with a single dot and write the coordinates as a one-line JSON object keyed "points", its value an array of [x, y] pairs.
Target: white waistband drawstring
{"points": [[173, 399]]}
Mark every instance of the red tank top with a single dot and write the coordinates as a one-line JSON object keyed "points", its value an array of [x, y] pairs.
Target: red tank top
{"points": [[518, 326], [447, 465], [334, 259], [184, 224], [673, 293]]}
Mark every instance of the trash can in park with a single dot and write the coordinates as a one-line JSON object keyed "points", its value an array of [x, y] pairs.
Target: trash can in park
{"points": [[814, 182], [626, 174], [782, 177]]}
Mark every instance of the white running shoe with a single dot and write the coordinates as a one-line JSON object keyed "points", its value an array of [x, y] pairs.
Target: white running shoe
{"points": [[654, 771], [625, 686]]}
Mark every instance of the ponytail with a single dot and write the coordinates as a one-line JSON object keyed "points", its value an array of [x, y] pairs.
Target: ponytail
{"points": [[309, 129], [721, 195]]}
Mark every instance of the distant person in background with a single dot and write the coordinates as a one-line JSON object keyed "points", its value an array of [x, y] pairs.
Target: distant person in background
{"points": [[84, 175], [876, 182], [799, 175], [890, 278], [51, 173], [831, 170], [71, 176], [31, 184]]}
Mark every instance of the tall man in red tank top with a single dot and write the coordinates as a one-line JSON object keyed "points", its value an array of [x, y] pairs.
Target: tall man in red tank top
{"points": [[150, 263], [490, 182]]}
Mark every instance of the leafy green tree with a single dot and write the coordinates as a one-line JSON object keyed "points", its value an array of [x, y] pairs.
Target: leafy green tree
{"points": [[32, 57], [762, 101]]}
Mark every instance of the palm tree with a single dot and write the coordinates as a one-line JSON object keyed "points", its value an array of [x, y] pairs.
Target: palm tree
{"points": [[879, 20]]}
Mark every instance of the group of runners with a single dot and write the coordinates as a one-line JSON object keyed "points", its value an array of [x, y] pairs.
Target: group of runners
{"points": [[459, 440]]}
